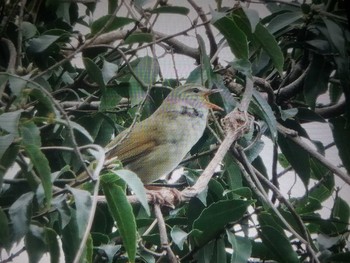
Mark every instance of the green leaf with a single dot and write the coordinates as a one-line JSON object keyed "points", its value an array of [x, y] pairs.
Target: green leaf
{"points": [[253, 17], [336, 36], [52, 245], [242, 248], [43, 100], [94, 72], [263, 109], [71, 238], [30, 134], [214, 218], [146, 70], [178, 236], [20, 214], [78, 128], [5, 238], [205, 60], [9, 121], [138, 37], [279, 244], [219, 254], [28, 30], [59, 203], [283, 20], [122, 213], [42, 166], [270, 45], [110, 251], [235, 37], [35, 243], [109, 71], [41, 43], [83, 204], [136, 185], [341, 135], [300, 162], [316, 79], [112, 21], [180, 10], [242, 65], [5, 142], [341, 212], [109, 100]]}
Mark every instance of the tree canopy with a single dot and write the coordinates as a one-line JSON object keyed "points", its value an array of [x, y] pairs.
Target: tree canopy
{"points": [[73, 74]]}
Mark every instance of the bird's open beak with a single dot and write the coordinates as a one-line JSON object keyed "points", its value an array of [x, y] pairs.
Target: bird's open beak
{"points": [[208, 103]]}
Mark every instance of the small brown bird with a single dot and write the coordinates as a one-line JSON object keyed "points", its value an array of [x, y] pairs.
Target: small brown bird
{"points": [[155, 146]]}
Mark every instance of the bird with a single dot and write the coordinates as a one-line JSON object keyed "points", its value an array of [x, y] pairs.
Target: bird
{"points": [[155, 146]]}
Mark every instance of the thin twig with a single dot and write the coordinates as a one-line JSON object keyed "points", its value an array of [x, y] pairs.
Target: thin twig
{"points": [[163, 234], [251, 176], [19, 33], [12, 256], [208, 31]]}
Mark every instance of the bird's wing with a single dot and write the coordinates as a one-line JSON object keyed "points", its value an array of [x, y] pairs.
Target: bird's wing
{"points": [[131, 145]]}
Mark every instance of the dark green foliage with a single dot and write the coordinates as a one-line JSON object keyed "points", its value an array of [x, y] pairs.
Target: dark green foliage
{"points": [[57, 113]]}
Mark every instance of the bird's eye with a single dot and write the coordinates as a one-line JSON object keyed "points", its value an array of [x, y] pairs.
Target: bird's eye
{"points": [[195, 90]]}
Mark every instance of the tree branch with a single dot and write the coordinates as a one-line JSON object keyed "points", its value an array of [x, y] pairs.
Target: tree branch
{"points": [[293, 136]]}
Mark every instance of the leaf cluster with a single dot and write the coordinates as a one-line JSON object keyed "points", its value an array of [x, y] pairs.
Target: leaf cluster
{"points": [[56, 113]]}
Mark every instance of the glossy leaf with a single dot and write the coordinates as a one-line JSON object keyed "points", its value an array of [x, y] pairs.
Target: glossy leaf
{"points": [[136, 185], [20, 214], [41, 43], [270, 45], [83, 203], [341, 211], [52, 245], [5, 142], [279, 245], [283, 20], [244, 66], [5, 237], [110, 251], [109, 100], [235, 37], [253, 17], [146, 70], [214, 218], [94, 72], [9, 121], [205, 60], [180, 10], [336, 36], [300, 162], [35, 243], [178, 236], [71, 238], [316, 79], [263, 109], [109, 71], [28, 30], [78, 128], [138, 37], [108, 23], [42, 166], [242, 248], [122, 213], [341, 133], [30, 134]]}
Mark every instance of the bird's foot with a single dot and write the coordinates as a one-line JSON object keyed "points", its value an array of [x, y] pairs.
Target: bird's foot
{"points": [[164, 196]]}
